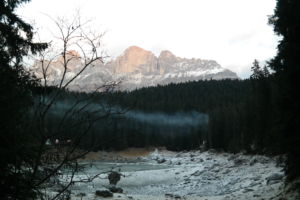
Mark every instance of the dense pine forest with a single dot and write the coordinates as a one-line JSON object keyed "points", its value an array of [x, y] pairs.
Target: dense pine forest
{"points": [[241, 115]]}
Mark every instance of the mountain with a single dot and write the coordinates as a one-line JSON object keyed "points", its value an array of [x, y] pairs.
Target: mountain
{"points": [[135, 68]]}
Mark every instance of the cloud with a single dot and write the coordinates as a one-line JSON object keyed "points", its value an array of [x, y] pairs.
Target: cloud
{"points": [[232, 32]]}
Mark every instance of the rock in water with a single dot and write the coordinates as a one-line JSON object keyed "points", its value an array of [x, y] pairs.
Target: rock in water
{"points": [[114, 177]]}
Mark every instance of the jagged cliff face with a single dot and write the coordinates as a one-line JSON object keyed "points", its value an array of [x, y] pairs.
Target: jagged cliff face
{"points": [[133, 59], [135, 68]]}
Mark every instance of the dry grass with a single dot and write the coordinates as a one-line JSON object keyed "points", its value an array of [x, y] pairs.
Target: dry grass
{"points": [[134, 152], [130, 153], [92, 156]]}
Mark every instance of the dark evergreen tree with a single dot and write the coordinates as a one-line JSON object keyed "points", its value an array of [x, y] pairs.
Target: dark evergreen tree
{"points": [[286, 64], [266, 71], [257, 72], [16, 145]]}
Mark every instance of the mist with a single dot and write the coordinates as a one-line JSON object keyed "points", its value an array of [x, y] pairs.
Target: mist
{"points": [[126, 128], [178, 119]]}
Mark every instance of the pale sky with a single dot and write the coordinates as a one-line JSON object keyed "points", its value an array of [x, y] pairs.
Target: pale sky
{"points": [[232, 32]]}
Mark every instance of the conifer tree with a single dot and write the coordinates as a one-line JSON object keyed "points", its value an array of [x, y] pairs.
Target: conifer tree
{"points": [[286, 64], [16, 41], [257, 73]]}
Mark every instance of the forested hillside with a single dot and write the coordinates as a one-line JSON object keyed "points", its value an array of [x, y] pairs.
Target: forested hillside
{"points": [[241, 115]]}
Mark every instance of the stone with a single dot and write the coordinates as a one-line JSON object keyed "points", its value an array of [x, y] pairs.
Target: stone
{"points": [[226, 171], [274, 178], [248, 190], [232, 157], [259, 159], [169, 162], [212, 151], [114, 177], [253, 161], [114, 189], [197, 173], [254, 184], [103, 193], [281, 160], [159, 161], [239, 161], [256, 178], [81, 194], [175, 196]]}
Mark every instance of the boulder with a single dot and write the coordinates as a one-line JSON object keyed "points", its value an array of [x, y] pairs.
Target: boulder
{"points": [[232, 157], [81, 194], [169, 162], [114, 189], [253, 161], [239, 161], [274, 178], [173, 196], [159, 161], [114, 177], [281, 160], [103, 193], [259, 159]]}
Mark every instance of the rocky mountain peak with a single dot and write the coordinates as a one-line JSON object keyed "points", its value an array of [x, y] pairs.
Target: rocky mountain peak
{"points": [[166, 57], [132, 59], [134, 49], [73, 53], [136, 68], [166, 54]]}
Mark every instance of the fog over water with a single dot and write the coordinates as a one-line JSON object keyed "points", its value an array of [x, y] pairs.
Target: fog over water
{"points": [[121, 122], [177, 119], [190, 119]]}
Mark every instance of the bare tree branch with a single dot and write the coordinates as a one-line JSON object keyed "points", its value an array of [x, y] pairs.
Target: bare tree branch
{"points": [[71, 36]]}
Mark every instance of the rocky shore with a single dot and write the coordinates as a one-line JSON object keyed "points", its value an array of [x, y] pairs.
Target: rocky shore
{"points": [[189, 175]]}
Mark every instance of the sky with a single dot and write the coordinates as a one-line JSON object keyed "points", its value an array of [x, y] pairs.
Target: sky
{"points": [[232, 32]]}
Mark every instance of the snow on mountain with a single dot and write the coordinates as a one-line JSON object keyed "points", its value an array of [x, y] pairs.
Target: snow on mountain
{"points": [[135, 68]]}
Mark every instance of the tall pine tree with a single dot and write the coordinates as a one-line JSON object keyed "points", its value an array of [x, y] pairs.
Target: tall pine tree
{"points": [[16, 41], [286, 22]]}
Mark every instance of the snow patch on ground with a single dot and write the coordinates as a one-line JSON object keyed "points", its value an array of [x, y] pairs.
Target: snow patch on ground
{"points": [[193, 175]]}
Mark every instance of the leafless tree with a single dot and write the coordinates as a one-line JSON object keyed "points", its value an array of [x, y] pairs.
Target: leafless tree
{"points": [[54, 153]]}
